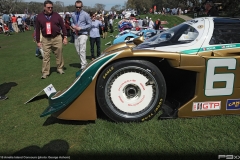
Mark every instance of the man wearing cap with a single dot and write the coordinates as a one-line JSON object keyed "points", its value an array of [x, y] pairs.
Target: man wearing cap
{"points": [[210, 9]]}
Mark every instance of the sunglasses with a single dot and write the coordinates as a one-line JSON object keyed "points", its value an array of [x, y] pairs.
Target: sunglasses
{"points": [[50, 7], [78, 7]]}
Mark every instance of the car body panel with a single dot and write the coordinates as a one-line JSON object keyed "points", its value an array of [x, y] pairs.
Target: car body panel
{"points": [[146, 33], [213, 68]]}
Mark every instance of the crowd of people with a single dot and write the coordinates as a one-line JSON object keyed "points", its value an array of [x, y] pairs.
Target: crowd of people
{"points": [[12, 23], [51, 30]]}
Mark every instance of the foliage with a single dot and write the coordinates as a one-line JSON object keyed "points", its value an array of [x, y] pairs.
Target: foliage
{"points": [[230, 7], [99, 6], [8, 6]]}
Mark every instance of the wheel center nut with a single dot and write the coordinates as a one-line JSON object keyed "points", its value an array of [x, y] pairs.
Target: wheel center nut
{"points": [[131, 91]]}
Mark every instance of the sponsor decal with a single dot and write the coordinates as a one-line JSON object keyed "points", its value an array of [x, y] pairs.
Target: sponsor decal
{"points": [[200, 27], [206, 106], [233, 104]]}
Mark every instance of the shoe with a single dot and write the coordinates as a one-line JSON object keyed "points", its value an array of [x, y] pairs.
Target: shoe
{"points": [[36, 55], [44, 76], [60, 71], [3, 97]]}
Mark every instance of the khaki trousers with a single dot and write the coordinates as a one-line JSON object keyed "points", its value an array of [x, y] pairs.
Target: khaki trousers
{"points": [[15, 27], [50, 44], [80, 45]]}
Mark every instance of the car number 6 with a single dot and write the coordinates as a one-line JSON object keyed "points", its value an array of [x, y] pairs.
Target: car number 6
{"points": [[211, 77]]}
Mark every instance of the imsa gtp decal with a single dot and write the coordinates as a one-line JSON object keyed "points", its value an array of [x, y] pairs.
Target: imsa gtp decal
{"points": [[206, 106]]}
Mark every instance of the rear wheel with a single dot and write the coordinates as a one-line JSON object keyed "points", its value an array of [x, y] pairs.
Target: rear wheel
{"points": [[131, 90]]}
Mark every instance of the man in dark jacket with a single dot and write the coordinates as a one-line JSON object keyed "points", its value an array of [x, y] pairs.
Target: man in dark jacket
{"points": [[210, 9]]}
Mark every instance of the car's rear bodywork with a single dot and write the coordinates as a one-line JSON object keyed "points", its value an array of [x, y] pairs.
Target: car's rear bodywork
{"points": [[198, 64]]}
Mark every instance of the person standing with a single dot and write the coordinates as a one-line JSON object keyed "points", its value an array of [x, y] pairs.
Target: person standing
{"points": [[27, 22], [51, 25], [14, 23], [210, 9], [20, 24], [105, 29], [95, 35], [151, 23], [6, 19], [81, 24], [111, 23], [67, 24]]}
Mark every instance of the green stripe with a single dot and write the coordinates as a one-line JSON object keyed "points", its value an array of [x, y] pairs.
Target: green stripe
{"points": [[76, 89], [204, 49]]}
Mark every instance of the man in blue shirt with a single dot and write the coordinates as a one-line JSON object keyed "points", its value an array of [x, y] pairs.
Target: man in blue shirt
{"points": [[6, 19], [95, 35], [81, 24]]}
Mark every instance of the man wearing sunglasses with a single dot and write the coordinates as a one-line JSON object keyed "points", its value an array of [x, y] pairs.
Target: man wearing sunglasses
{"points": [[51, 25], [81, 24]]}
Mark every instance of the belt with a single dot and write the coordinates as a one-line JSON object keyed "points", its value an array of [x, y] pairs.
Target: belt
{"points": [[51, 36], [82, 34]]}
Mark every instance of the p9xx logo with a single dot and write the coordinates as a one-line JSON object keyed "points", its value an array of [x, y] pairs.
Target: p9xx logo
{"points": [[213, 77]]}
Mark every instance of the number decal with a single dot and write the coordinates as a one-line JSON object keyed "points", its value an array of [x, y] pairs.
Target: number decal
{"points": [[211, 77]]}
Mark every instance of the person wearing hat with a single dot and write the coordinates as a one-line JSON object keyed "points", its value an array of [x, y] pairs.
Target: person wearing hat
{"points": [[210, 9]]}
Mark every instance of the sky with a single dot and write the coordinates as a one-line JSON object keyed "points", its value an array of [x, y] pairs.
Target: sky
{"points": [[91, 3]]}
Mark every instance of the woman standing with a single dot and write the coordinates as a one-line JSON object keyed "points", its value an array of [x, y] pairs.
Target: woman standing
{"points": [[67, 24], [95, 36]]}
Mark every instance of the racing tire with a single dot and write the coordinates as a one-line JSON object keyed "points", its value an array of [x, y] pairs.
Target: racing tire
{"points": [[131, 90]]}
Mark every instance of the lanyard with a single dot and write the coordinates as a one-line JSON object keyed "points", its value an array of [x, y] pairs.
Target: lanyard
{"points": [[48, 18]]}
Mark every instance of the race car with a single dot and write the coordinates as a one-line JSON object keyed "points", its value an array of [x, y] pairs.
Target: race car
{"points": [[128, 35], [190, 70]]}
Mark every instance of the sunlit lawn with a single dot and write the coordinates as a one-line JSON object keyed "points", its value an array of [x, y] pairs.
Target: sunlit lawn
{"points": [[23, 132]]}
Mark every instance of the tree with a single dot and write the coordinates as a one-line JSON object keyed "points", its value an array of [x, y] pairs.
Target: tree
{"points": [[99, 6], [116, 7], [33, 7], [8, 5], [59, 6], [70, 8]]}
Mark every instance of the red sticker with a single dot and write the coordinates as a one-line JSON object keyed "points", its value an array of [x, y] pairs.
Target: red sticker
{"points": [[48, 28]]}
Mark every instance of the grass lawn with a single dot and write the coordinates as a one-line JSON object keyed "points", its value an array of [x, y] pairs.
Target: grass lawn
{"points": [[23, 132]]}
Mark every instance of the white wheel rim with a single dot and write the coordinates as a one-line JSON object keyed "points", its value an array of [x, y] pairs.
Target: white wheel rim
{"points": [[128, 95], [131, 95]]}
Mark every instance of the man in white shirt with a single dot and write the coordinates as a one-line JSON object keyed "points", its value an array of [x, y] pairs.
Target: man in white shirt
{"points": [[151, 23]]}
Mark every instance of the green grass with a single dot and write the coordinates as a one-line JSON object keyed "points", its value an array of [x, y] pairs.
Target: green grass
{"points": [[23, 132]]}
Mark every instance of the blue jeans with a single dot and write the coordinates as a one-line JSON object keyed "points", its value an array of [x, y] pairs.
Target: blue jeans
{"points": [[96, 40], [37, 51]]}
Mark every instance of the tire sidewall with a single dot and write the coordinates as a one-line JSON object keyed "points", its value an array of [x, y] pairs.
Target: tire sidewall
{"points": [[114, 67]]}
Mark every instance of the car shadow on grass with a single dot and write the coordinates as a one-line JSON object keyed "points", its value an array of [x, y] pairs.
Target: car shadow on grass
{"points": [[53, 120], [53, 148]]}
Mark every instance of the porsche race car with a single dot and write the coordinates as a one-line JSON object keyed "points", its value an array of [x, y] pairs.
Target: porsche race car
{"points": [[128, 35], [190, 70]]}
